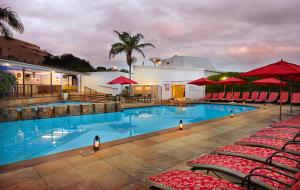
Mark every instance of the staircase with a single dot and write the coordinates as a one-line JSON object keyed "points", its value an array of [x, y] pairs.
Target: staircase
{"points": [[90, 95]]}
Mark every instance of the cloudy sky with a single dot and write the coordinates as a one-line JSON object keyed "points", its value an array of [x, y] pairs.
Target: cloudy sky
{"points": [[235, 34]]}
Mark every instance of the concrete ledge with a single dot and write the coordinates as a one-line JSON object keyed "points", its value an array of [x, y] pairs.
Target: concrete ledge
{"points": [[74, 109], [60, 111], [99, 108], [86, 108], [29, 113], [45, 112], [10, 114], [110, 107]]}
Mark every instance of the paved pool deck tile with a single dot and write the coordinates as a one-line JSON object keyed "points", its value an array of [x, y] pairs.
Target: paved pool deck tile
{"points": [[125, 166]]}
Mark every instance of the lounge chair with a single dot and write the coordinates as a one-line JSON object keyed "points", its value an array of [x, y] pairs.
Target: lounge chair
{"points": [[221, 95], [296, 98], [279, 159], [285, 129], [214, 96], [254, 96], [293, 122], [244, 97], [262, 97], [207, 96], [236, 96], [284, 97], [180, 179], [272, 97], [276, 144], [278, 135], [227, 97], [265, 176]]}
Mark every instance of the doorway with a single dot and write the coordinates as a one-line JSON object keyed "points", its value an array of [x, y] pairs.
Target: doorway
{"points": [[178, 91]]}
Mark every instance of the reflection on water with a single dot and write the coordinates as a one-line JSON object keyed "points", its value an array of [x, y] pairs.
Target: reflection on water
{"points": [[27, 139]]}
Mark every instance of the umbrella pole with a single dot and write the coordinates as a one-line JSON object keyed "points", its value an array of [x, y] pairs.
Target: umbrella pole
{"points": [[291, 92], [280, 97]]}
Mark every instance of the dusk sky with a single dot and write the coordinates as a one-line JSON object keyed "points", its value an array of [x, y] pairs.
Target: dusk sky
{"points": [[235, 35]]}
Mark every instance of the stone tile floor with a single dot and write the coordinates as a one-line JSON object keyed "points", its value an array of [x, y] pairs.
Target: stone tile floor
{"points": [[125, 166]]}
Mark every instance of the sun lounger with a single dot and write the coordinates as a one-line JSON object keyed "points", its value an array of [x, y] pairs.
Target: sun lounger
{"points": [[272, 97], [276, 144], [241, 168], [236, 96], [207, 96], [214, 96], [254, 96], [180, 179], [278, 135], [292, 122], [286, 129], [296, 98], [228, 96], [284, 97], [262, 97], [221, 95], [245, 96], [279, 159]]}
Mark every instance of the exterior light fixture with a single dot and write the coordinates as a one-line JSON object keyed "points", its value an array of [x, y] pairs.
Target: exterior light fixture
{"points": [[223, 78], [96, 144], [231, 114], [180, 127]]}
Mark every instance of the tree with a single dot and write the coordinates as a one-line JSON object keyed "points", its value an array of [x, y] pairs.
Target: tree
{"points": [[6, 81], [128, 44], [9, 19]]}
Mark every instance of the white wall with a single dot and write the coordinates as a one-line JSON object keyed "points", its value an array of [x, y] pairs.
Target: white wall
{"points": [[98, 81]]}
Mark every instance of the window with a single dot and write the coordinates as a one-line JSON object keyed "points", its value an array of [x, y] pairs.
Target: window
{"points": [[0, 51]]}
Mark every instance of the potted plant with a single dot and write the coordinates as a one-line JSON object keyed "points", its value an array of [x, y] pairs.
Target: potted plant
{"points": [[65, 94]]}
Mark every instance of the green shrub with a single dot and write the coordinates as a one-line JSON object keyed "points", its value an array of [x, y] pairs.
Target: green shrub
{"points": [[6, 81]]}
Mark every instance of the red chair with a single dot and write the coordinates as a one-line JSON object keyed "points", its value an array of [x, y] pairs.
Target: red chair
{"points": [[272, 97], [296, 98], [215, 96], [244, 97], [221, 95], [236, 96], [207, 96], [284, 97], [262, 97], [254, 96], [228, 96]]}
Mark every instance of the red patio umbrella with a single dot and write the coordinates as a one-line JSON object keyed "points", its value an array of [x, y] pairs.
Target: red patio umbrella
{"points": [[201, 82], [269, 82], [280, 69], [232, 81], [122, 80]]}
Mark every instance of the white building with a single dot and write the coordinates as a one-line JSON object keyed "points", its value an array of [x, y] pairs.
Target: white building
{"points": [[166, 79]]}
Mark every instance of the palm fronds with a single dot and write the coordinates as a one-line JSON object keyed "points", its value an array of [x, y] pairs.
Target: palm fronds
{"points": [[10, 18]]}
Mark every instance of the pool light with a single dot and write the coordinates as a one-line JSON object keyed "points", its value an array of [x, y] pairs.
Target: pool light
{"points": [[231, 114], [264, 106], [180, 127], [96, 144]]}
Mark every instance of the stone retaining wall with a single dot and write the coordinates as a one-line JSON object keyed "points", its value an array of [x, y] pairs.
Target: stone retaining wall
{"points": [[60, 111], [74, 109], [45, 112], [99, 108], [29, 113], [86, 109]]}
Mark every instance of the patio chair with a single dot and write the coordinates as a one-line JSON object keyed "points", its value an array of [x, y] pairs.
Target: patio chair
{"points": [[207, 96], [221, 95], [278, 135], [284, 97], [214, 96], [293, 122], [272, 97], [285, 129], [262, 97], [276, 144], [228, 96], [296, 98], [236, 95], [254, 96], [180, 179], [275, 158], [262, 175], [244, 97]]}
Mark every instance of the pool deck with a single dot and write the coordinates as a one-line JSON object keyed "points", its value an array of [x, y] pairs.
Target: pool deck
{"points": [[124, 166]]}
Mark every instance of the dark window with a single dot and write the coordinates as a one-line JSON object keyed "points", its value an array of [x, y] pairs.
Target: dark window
{"points": [[0, 51]]}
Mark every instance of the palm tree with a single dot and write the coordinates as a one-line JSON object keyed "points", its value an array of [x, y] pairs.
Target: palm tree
{"points": [[9, 18], [128, 44]]}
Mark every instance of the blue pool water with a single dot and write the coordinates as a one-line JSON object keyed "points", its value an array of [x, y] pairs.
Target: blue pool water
{"points": [[22, 140]]}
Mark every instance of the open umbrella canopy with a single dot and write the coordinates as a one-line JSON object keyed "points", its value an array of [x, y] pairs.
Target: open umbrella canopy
{"points": [[269, 82], [122, 80], [278, 69], [202, 81], [232, 80]]}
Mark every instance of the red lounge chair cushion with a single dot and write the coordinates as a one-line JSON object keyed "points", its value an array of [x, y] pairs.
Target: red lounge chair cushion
{"points": [[296, 98], [261, 153], [292, 122], [276, 143], [177, 179], [286, 129], [276, 135], [242, 166]]}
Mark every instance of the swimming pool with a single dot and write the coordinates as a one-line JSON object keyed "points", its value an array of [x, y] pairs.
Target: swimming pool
{"points": [[23, 140]]}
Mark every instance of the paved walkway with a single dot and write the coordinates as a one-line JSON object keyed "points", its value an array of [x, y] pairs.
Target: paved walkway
{"points": [[125, 166]]}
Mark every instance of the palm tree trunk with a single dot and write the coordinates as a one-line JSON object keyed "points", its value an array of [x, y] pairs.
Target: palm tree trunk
{"points": [[129, 62]]}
